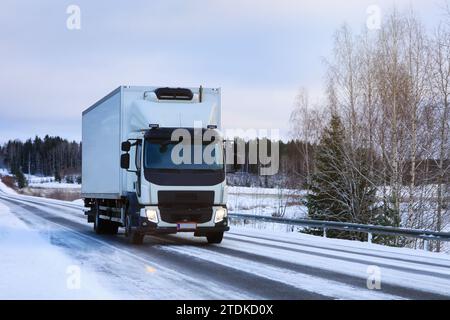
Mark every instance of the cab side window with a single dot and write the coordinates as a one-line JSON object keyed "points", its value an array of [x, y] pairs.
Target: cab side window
{"points": [[138, 156]]}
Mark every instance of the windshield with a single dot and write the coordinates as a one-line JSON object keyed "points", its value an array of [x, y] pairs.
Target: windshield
{"points": [[168, 155]]}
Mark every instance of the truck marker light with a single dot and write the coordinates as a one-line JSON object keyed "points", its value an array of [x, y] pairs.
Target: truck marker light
{"points": [[221, 214]]}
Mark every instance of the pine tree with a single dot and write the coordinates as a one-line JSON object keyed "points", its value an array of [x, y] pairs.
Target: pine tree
{"points": [[20, 177], [58, 177], [341, 188], [323, 201], [388, 216]]}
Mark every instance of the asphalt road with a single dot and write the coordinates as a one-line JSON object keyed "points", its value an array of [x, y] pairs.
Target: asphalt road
{"points": [[247, 265]]}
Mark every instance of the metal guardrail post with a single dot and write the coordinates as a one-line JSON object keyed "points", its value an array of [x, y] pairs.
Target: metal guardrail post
{"points": [[426, 245], [324, 232], [369, 237]]}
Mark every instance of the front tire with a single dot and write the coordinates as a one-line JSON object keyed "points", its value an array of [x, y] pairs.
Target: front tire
{"points": [[136, 238], [113, 228], [215, 237], [100, 225], [133, 236]]}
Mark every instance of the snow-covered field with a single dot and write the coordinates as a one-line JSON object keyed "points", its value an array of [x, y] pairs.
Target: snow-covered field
{"points": [[267, 201], [47, 187], [49, 182]]}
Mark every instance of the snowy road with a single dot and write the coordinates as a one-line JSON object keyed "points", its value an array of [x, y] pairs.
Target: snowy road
{"points": [[249, 264]]}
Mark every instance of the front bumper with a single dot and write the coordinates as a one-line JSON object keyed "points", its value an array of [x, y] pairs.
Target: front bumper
{"points": [[147, 227], [167, 220]]}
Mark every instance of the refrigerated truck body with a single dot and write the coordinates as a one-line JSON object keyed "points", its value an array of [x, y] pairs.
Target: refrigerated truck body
{"points": [[129, 179]]}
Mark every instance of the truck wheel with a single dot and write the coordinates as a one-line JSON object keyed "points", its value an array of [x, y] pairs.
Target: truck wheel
{"points": [[100, 225], [132, 236], [215, 237], [136, 238], [113, 228]]}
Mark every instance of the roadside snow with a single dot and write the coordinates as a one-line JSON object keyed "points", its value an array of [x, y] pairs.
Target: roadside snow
{"points": [[38, 269]]}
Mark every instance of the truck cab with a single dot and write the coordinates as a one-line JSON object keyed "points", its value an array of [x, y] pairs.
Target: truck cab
{"points": [[171, 164]]}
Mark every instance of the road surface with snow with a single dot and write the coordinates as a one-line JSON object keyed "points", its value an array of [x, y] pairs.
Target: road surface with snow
{"points": [[48, 250]]}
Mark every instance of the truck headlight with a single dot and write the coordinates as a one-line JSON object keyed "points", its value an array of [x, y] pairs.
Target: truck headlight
{"points": [[221, 214], [152, 215]]}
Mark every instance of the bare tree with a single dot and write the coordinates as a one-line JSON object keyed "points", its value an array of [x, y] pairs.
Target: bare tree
{"points": [[306, 125], [343, 73], [418, 64], [441, 79]]}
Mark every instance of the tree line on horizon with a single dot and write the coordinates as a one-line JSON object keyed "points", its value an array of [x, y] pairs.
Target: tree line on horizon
{"points": [[59, 157], [50, 156]]}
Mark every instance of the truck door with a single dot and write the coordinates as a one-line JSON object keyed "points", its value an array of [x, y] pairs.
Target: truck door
{"points": [[138, 162]]}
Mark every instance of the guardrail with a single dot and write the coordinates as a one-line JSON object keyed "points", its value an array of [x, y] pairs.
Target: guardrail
{"points": [[426, 235]]}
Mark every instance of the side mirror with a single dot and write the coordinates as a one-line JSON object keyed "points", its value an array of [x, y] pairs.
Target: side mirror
{"points": [[125, 161], [126, 146]]}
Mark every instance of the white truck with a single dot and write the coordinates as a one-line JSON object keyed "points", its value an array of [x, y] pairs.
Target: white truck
{"points": [[131, 173]]}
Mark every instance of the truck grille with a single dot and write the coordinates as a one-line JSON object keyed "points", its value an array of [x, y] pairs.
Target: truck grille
{"points": [[174, 215], [190, 206], [189, 199]]}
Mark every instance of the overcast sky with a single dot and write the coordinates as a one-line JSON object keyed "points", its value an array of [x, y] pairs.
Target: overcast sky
{"points": [[259, 52]]}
